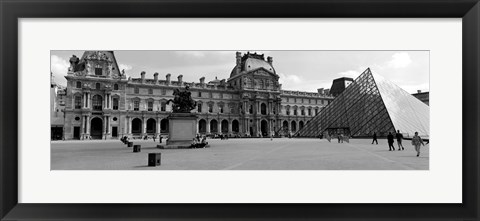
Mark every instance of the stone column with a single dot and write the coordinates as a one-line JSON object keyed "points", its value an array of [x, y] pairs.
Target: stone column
{"points": [[84, 99], [83, 127], [219, 126], [125, 129], [129, 120], [88, 125], [230, 126], [158, 126], [208, 126], [198, 125], [144, 126]]}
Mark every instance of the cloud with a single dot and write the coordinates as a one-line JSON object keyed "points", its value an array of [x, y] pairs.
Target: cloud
{"points": [[289, 79], [400, 60], [350, 73], [125, 67], [58, 65], [412, 88], [296, 83], [198, 54]]}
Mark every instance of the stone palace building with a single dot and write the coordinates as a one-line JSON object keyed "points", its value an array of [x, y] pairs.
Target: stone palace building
{"points": [[101, 102]]}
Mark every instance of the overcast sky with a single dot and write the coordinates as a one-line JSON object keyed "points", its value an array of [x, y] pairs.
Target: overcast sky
{"points": [[298, 70]]}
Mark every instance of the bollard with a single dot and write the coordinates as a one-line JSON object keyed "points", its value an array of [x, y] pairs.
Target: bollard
{"points": [[130, 144], [136, 148], [154, 159]]}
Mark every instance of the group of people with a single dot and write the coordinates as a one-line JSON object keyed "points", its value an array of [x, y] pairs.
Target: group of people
{"points": [[340, 137], [416, 141], [125, 139], [199, 142]]}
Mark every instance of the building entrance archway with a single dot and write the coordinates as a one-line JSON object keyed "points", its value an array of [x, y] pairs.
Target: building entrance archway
{"points": [[213, 126], [294, 126], [164, 126], [151, 126], [224, 126], [235, 127], [264, 128], [96, 128], [202, 126], [136, 126]]}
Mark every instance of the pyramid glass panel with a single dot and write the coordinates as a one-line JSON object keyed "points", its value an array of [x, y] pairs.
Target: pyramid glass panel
{"points": [[370, 104]]}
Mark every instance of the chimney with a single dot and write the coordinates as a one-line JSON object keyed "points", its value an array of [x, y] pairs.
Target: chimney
{"points": [[143, 76], [202, 80], [180, 79], [168, 78], [320, 91], [419, 91], [239, 62], [270, 59], [155, 77]]}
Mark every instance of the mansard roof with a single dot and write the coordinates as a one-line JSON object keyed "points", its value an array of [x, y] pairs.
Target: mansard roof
{"points": [[251, 62]]}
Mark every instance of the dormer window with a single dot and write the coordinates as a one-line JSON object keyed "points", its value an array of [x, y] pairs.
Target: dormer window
{"points": [[98, 71]]}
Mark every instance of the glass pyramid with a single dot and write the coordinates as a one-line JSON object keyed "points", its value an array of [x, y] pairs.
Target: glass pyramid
{"points": [[371, 104]]}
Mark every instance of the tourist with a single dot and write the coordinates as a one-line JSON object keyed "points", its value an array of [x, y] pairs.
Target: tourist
{"points": [[194, 143], [390, 141], [153, 138], [160, 138], [416, 141], [399, 140], [329, 138], [374, 137], [204, 143]]}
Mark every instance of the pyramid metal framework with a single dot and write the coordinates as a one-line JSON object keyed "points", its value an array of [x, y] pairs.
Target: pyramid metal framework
{"points": [[371, 104]]}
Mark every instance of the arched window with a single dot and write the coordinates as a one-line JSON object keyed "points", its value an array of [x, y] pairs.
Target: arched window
{"points": [[136, 105], [163, 106], [263, 109], [115, 87], [115, 103], [79, 84], [97, 86], [150, 105], [199, 108], [97, 102], [78, 101], [210, 108]]}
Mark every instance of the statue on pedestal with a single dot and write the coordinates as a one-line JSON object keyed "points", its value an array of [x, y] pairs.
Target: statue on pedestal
{"points": [[182, 102]]}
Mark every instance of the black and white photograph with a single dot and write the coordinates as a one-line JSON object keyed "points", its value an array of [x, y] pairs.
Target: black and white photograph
{"points": [[239, 110]]}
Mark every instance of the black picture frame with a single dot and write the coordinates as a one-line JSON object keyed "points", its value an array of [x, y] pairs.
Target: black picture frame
{"points": [[11, 11]]}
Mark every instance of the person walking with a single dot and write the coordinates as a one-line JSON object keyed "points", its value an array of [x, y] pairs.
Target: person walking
{"points": [[154, 136], [416, 141], [390, 141], [375, 138], [399, 140], [160, 138]]}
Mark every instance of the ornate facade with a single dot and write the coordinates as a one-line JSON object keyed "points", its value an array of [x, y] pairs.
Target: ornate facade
{"points": [[102, 103]]}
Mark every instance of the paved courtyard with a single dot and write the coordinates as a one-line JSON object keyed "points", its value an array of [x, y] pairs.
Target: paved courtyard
{"points": [[240, 154]]}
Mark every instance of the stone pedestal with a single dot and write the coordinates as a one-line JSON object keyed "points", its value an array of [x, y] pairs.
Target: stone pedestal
{"points": [[182, 129]]}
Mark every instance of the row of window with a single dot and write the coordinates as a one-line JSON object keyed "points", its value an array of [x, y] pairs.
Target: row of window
{"points": [[310, 101], [97, 86], [97, 102], [295, 112]]}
